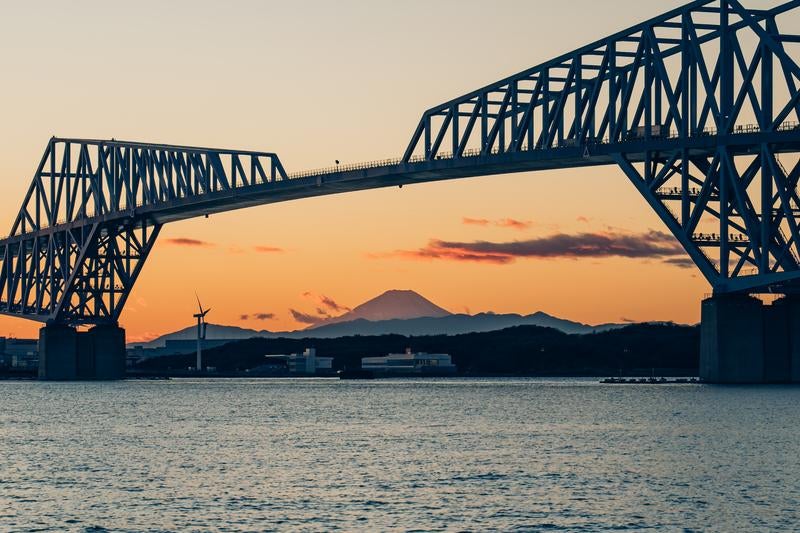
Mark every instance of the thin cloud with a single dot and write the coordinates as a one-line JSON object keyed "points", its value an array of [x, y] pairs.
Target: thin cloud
{"points": [[647, 245], [680, 262], [268, 249], [186, 241], [511, 223], [331, 304], [305, 318], [583, 219], [514, 224], [258, 316], [326, 302], [435, 250]]}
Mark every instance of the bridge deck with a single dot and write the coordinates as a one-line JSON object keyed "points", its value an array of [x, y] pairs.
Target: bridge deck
{"points": [[392, 173]]}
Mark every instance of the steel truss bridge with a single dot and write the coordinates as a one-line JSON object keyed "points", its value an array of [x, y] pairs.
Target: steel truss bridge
{"points": [[698, 107]]}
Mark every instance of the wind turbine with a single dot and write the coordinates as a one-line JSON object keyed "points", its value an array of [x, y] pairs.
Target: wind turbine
{"points": [[201, 332]]}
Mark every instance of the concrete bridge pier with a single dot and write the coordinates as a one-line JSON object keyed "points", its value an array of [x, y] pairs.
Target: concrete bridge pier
{"points": [[742, 340], [68, 354]]}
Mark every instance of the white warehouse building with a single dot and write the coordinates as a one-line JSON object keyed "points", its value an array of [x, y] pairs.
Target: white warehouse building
{"points": [[410, 363]]}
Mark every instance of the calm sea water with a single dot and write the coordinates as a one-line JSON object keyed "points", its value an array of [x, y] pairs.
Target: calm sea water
{"points": [[447, 455]]}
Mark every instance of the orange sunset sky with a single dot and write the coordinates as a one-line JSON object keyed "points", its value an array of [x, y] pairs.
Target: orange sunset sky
{"points": [[317, 81]]}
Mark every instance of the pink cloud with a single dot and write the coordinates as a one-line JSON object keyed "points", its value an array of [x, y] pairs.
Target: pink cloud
{"points": [[186, 241], [647, 245]]}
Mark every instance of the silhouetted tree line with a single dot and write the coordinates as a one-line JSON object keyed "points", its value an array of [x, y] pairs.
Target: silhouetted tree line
{"points": [[522, 350]]}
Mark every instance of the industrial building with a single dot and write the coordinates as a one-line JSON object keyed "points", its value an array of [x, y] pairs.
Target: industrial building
{"points": [[21, 354], [410, 363], [299, 364]]}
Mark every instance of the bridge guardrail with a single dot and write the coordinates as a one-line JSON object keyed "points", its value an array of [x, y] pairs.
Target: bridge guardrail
{"points": [[474, 152]]}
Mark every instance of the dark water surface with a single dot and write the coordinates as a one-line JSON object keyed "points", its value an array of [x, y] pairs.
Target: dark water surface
{"points": [[323, 455]]}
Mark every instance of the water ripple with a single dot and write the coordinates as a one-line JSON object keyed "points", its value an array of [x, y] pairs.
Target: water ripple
{"points": [[455, 455]]}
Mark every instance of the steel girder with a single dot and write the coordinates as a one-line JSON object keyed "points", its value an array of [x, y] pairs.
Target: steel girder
{"points": [[86, 225], [81, 180], [710, 69], [76, 276]]}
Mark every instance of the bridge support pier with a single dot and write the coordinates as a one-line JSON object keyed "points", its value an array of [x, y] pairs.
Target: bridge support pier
{"points": [[58, 352], [744, 341], [67, 354], [791, 306]]}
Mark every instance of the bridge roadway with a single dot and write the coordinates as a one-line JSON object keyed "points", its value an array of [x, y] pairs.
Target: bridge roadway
{"points": [[395, 172]]}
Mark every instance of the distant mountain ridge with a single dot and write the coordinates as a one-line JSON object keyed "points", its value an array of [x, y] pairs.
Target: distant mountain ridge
{"points": [[401, 312], [213, 332], [449, 325], [391, 305]]}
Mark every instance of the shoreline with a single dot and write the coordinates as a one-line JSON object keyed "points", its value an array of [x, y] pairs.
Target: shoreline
{"points": [[642, 377]]}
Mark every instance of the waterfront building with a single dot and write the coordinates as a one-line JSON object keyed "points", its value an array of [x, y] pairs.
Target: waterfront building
{"points": [[307, 363], [21, 354], [410, 363]]}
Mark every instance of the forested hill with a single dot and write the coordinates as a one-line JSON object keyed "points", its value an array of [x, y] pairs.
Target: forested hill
{"points": [[523, 350]]}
